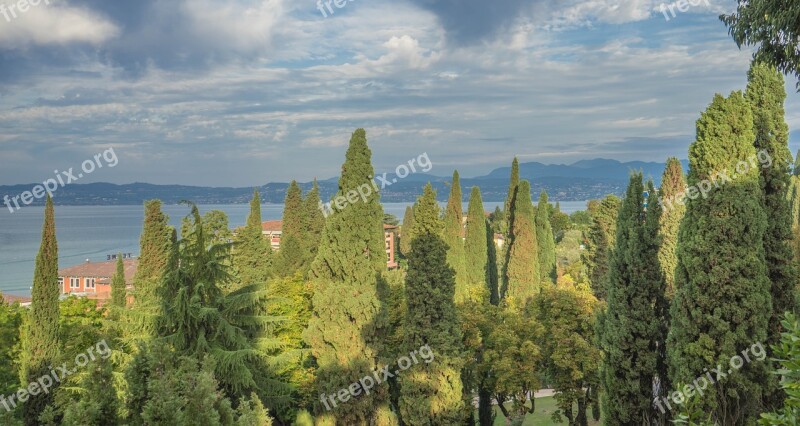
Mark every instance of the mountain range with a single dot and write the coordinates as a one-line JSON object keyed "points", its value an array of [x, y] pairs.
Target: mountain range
{"points": [[582, 180]]}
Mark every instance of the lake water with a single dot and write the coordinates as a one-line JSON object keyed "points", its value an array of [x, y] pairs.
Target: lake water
{"points": [[93, 232]]}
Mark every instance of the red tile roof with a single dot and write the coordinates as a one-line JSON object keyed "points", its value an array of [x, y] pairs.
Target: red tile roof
{"points": [[272, 225], [10, 299], [101, 270], [387, 227]]}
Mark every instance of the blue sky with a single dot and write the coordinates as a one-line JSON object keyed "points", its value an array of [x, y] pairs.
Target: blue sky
{"points": [[244, 92]]}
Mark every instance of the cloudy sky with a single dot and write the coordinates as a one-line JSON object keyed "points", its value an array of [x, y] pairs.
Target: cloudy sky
{"points": [[244, 92]]}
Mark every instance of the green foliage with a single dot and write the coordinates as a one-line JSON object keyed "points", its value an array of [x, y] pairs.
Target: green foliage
{"points": [[97, 403], [154, 245], [313, 226], [522, 262], [559, 221], [772, 27], [407, 231], [581, 218], [723, 301], [11, 319], [766, 95], [600, 240], [251, 412], [545, 240], [476, 248], [347, 325], [566, 312], [215, 223], [199, 320], [513, 182], [635, 321], [673, 182], [431, 393], [292, 254], [452, 235], [42, 342], [119, 291], [787, 353], [252, 253]]}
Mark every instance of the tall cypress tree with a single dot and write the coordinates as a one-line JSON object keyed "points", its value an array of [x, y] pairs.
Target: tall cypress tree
{"points": [[766, 94], [252, 253], [431, 393], [522, 260], [42, 343], [407, 232], [476, 247], [673, 183], [513, 182], [634, 330], [118, 289], [722, 303], [600, 239], [546, 241], [453, 237], [291, 253], [313, 225], [346, 325], [154, 245]]}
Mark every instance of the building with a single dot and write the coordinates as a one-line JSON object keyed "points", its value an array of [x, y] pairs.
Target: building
{"points": [[93, 279], [272, 229], [11, 299]]}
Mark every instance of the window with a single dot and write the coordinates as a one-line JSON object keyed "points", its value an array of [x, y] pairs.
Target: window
{"points": [[61, 282], [89, 282], [74, 283]]}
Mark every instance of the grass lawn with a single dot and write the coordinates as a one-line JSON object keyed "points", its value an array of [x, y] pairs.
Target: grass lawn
{"points": [[544, 409]]}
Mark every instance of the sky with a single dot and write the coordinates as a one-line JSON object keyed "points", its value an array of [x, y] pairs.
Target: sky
{"points": [[245, 92]]}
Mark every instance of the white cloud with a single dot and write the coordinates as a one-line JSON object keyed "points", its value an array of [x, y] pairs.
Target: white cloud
{"points": [[55, 23]]}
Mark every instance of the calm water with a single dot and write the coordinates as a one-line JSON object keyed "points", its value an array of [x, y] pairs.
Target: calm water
{"points": [[88, 232]]}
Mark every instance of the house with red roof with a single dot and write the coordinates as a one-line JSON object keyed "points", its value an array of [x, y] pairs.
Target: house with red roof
{"points": [[93, 279]]}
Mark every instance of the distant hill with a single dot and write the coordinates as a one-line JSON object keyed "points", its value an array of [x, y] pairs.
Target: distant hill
{"points": [[583, 180]]}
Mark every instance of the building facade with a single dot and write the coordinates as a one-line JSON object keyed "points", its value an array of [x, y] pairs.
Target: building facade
{"points": [[93, 279]]}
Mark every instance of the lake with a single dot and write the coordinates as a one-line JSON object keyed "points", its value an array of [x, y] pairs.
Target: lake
{"points": [[93, 232]]}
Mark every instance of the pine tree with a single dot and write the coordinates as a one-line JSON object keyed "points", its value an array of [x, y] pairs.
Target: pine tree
{"points": [[476, 248], [600, 240], [346, 325], [522, 261], [431, 393], [43, 324], [407, 233], [154, 245], [673, 183], [453, 237], [313, 225], [546, 241], [722, 303], [512, 191], [252, 253], [766, 94], [634, 330], [119, 294], [291, 253]]}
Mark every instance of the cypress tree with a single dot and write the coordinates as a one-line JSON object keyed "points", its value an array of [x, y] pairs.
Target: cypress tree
{"points": [[766, 94], [431, 393], [722, 302], [546, 241], [42, 337], [407, 232], [600, 241], [313, 225], [513, 182], [291, 253], [673, 183], [522, 261], [453, 237], [634, 330], [154, 245], [252, 253], [476, 248], [346, 325], [118, 288]]}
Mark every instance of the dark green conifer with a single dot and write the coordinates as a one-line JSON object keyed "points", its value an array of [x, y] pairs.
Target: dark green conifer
{"points": [[546, 241], [453, 236], [476, 248], [119, 293], [252, 252], [407, 231], [673, 184], [600, 241], [522, 260], [291, 253], [154, 245], [313, 225]]}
